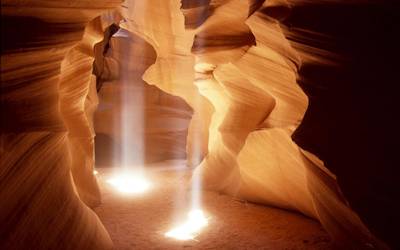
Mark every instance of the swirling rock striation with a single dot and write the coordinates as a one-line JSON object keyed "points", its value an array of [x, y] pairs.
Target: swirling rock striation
{"points": [[255, 73], [46, 136], [158, 122], [258, 105], [349, 71]]}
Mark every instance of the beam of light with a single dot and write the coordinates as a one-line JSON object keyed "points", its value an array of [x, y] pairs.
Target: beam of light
{"points": [[132, 127], [196, 149], [129, 123], [129, 183], [194, 223]]}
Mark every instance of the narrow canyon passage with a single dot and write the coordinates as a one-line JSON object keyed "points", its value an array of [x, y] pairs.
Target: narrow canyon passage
{"points": [[138, 127], [199, 124], [139, 221]]}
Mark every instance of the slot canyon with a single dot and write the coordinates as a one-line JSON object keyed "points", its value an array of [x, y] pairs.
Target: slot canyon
{"points": [[199, 124]]}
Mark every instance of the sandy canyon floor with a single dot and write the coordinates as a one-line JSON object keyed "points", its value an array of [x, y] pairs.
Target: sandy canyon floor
{"points": [[139, 221]]}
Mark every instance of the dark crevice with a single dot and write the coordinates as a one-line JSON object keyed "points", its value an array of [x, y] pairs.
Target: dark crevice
{"points": [[101, 49]]}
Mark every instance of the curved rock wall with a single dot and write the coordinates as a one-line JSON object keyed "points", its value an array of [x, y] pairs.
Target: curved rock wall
{"points": [[254, 156], [173, 70], [158, 121], [350, 55], [237, 64], [46, 137], [76, 95], [247, 69]]}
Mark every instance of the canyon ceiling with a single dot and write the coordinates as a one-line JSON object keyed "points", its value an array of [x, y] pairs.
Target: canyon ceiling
{"points": [[289, 103]]}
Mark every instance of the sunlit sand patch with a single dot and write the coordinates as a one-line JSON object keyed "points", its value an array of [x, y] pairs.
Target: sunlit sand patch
{"points": [[194, 223], [129, 183]]}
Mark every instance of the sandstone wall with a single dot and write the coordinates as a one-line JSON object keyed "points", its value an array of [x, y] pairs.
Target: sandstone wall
{"points": [[157, 121], [238, 65], [46, 134], [244, 68]]}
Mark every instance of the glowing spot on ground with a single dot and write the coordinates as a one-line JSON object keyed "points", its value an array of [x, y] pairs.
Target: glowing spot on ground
{"points": [[129, 183], [190, 228]]}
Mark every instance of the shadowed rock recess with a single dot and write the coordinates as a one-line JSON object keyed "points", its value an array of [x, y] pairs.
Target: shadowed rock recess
{"points": [[285, 103]]}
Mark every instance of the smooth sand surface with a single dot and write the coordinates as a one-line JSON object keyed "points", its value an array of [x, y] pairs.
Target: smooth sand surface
{"points": [[140, 221]]}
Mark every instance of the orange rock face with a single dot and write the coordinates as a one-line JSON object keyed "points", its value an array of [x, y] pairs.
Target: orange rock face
{"points": [[46, 134], [158, 122], [245, 69], [216, 82]]}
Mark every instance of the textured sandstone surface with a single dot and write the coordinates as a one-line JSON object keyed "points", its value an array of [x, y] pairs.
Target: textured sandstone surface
{"points": [[242, 77], [246, 71], [158, 121], [46, 134]]}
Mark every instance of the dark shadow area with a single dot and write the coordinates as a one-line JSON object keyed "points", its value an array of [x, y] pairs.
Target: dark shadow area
{"points": [[29, 34], [352, 122]]}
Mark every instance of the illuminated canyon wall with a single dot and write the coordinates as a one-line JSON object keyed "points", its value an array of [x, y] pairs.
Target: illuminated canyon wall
{"points": [[47, 98], [246, 69], [281, 98], [159, 121]]}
